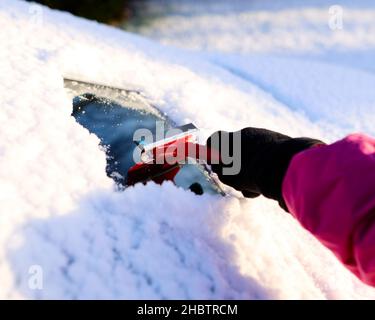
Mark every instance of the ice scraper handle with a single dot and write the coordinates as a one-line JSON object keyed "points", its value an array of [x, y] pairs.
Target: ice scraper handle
{"points": [[202, 153], [262, 157], [180, 150]]}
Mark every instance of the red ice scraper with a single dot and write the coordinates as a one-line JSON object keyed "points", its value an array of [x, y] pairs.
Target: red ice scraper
{"points": [[161, 160]]}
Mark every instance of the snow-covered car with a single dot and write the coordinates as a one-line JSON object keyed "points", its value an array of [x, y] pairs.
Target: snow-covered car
{"points": [[67, 229]]}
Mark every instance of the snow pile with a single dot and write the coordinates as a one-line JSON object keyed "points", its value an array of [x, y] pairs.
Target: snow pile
{"points": [[290, 49], [62, 222], [264, 26]]}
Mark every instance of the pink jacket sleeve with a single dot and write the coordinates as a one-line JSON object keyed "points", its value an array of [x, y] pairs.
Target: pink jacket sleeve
{"points": [[331, 191]]}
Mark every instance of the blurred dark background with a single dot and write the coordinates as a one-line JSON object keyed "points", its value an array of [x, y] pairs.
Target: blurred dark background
{"points": [[113, 12]]}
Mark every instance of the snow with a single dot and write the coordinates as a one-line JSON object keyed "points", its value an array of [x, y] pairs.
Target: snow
{"points": [[62, 216]]}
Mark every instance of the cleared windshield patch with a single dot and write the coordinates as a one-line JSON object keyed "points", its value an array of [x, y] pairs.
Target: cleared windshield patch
{"points": [[113, 115]]}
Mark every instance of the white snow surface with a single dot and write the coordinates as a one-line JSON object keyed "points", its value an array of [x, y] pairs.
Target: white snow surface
{"points": [[61, 215]]}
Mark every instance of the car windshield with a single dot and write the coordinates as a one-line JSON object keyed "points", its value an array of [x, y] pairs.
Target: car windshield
{"points": [[113, 115]]}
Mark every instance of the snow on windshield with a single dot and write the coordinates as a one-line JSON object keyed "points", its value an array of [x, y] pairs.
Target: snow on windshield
{"points": [[66, 232]]}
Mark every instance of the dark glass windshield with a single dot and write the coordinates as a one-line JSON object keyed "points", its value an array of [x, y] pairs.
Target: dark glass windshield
{"points": [[114, 115], [115, 126]]}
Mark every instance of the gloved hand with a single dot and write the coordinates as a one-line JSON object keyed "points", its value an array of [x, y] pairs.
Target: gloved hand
{"points": [[264, 158]]}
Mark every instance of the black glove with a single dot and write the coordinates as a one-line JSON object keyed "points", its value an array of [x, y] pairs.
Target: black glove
{"points": [[264, 160]]}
